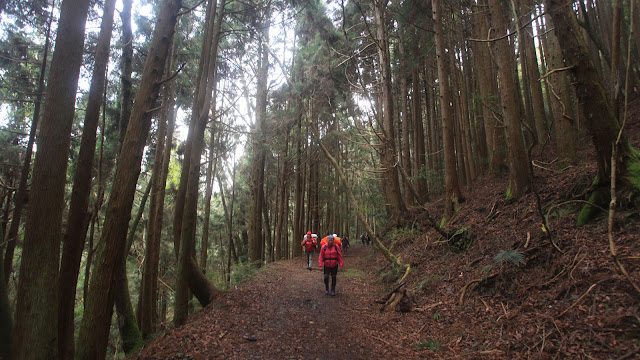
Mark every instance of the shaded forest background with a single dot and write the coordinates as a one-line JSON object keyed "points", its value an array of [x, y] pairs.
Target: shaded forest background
{"points": [[152, 159]]}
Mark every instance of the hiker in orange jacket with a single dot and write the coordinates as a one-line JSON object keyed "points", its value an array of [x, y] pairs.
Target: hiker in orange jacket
{"points": [[309, 244], [330, 257]]}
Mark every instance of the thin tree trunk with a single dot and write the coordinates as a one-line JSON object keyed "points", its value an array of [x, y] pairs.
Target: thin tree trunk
{"points": [[189, 274], [211, 169], [126, 68], [11, 235], [146, 308], [452, 188], [257, 172], [94, 331], [396, 206], [418, 138]]}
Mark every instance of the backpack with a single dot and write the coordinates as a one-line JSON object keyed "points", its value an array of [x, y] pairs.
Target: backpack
{"points": [[309, 244], [336, 259]]}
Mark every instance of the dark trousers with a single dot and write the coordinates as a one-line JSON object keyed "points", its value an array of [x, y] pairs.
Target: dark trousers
{"points": [[333, 271]]}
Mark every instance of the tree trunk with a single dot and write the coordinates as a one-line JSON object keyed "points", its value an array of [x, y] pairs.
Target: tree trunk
{"points": [[418, 138], [94, 331], [127, 324], [77, 223], [36, 331], [533, 72], [519, 173], [259, 152], [599, 116], [404, 113], [11, 235], [396, 206], [189, 274], [452, 188], [126, 82], [211, 170], [298, 229], [5, 316], [561, 103], [487, 88]]}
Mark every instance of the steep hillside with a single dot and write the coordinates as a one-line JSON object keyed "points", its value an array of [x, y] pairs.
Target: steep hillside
{"points": [[513, 291]]}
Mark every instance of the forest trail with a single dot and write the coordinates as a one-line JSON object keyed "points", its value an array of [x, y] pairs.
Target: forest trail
{"points": [[283, 313]]}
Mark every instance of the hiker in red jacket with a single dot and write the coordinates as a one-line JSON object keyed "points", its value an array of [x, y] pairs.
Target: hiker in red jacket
{"points": [[309, 244], [330, 257]]}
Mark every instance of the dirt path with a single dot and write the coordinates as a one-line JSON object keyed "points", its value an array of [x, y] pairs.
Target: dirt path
{"points": [[283, 313]]}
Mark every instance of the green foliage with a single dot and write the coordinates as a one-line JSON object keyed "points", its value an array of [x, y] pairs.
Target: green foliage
{"points": [[353, 273], [509, 257], [633, 169], [428, 281], [460, 241], [243, 272], [394, 273], [428, 344], [405, 232], [436, 315]]}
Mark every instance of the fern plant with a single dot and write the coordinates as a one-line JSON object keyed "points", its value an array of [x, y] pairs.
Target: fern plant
{"points": [[509, 257]]}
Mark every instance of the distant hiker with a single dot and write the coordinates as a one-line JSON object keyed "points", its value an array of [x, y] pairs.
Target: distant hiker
{"points": [[309, 244], [363, 239], [330, 257], [368, 240], [345, 244]]}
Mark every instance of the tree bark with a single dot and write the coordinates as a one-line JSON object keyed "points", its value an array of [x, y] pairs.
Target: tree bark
{"points": [[396, 206], [147, 308], [94, 331], [256, 240], [189, 274], [211, 170], [19, 199], [452, 189], [533, 72], [77, 223], [126, 68], [127, 324], [600, 119], [36, 332], [418, 138], [519, 172], [561, 103]]}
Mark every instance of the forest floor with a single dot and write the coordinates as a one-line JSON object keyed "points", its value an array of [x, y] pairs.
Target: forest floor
{"points": [[567, 300]]}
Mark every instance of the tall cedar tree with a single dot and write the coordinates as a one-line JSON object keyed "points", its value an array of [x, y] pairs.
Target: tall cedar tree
{"points": [[36, 332], [78, 220], [94, 330], [189, 274], [147, 308], [599, 116], [519, 173], [259, 150], [396, 207], [452, 189]]}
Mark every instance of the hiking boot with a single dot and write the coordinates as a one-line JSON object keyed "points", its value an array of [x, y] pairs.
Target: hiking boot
{"points": [[333, 293], [326, 292]]}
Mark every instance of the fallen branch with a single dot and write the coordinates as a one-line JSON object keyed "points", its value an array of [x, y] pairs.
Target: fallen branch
{"points": [[428, 307], [464, 289], [396, 299], [577, 301]]}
